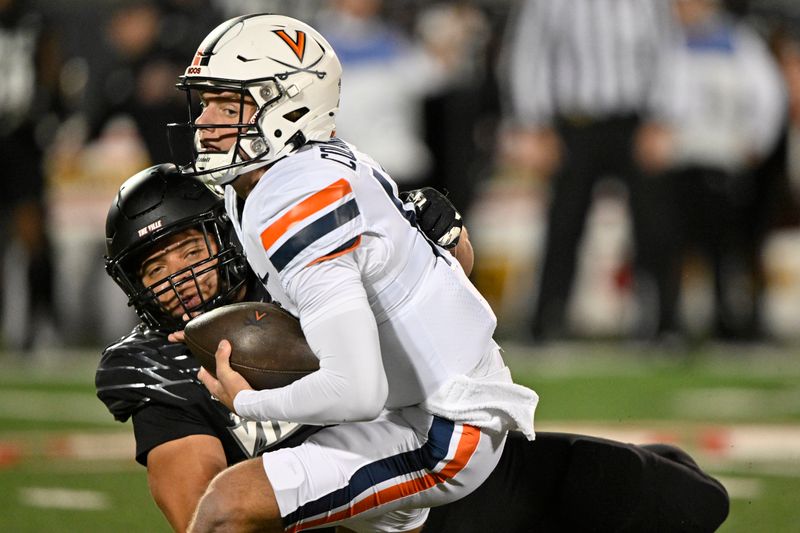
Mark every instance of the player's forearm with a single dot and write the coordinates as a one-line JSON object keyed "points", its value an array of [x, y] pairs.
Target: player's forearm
{"points": [[178, 473], [349, 386], [464, 253]]}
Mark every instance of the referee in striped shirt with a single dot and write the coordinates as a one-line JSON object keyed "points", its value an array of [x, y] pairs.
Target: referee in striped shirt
{"points": [[590, 84]]}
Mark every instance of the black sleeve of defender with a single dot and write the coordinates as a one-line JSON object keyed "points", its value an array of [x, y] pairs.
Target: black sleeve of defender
{"points": [[157, 424]]}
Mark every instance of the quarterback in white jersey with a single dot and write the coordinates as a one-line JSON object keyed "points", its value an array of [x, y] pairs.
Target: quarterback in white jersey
{"points": [[412, 389], [325, 203]]}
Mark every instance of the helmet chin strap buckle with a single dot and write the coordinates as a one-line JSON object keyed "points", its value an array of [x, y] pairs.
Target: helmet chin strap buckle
{"points": [[298, 140]]}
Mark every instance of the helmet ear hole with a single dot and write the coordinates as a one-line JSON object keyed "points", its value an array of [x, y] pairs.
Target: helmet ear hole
{"points": [[297, 114], [278, 133]]}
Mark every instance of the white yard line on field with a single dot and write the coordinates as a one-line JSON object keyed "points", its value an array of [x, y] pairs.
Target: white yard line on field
{"points": [[742, 488], [94, 446], [732, 403], [61, 498], [715, 443], [720, 442], [43, 406]]}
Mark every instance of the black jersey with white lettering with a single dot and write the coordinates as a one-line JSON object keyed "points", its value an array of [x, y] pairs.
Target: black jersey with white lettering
{"points": [[154, 382]]}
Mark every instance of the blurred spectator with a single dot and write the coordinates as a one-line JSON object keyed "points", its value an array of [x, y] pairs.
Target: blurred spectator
{"points": [[126, 96], [461, 119], [388, 77], [588, 84], [151, 44], [771, 210], [28, 99], [299, 9], [788, 157], [731, 113]]}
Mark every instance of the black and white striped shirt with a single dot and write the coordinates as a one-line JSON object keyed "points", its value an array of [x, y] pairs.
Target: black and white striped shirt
{"points": [[590, 58]]}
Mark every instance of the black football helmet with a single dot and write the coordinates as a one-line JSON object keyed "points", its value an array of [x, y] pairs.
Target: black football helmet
{"points": [[151, 206]]}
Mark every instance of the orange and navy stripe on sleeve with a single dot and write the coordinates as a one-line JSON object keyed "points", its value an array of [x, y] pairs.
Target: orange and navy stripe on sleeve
{"points": [[392, 478], [293, 241]]}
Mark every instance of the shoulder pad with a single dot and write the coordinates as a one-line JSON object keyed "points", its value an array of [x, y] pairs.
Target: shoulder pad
{"points": [[142, 368], [311, 219]]}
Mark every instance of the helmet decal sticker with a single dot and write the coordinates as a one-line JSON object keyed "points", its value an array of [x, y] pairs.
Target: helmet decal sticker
{"points": [[298, 46], [150, 227], [309, 69]]}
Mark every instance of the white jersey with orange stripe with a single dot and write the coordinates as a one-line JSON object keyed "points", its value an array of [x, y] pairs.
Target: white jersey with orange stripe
{"points": [[329, 200]]}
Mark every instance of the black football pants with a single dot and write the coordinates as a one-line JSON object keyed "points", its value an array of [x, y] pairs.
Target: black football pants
{"points": [[573, 483]]}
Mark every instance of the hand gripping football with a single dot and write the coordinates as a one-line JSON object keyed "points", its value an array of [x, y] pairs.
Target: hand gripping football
{"points": [[267, 345]]}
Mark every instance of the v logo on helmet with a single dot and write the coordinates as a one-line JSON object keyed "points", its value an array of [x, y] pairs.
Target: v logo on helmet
{"points": [[298, 46]]}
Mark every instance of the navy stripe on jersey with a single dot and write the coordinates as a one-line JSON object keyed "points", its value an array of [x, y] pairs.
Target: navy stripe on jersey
{"points": [[313, 232], [411, 216], [424, 458]]}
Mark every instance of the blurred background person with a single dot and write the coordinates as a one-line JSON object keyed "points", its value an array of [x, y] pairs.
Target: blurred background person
{"points": [[461, 118], [731, 111], [124, 95], [383, 95], [114, 89], [301, 9], [771, 210], [781, 170], [588, 87], [149, 42], [29, 106]]}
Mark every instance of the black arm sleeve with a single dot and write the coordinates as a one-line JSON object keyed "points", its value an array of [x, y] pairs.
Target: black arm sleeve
{"points": [[157, 424]]}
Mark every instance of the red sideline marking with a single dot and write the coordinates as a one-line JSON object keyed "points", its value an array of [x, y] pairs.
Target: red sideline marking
{"points": [[714, 440], [58, 447], [10, 454]]}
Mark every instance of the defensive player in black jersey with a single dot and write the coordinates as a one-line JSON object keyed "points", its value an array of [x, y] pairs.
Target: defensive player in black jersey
{"points": [[170, 248]]}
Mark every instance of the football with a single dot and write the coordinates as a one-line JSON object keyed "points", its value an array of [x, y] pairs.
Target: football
{"points": [[267, 344]]}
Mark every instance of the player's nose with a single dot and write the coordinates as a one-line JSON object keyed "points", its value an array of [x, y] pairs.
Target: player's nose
{"points": [[207, 132], [186, 283], [204, 117]]}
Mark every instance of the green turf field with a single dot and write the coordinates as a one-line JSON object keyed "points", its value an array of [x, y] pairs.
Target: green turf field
{"points": [[65, 466]]}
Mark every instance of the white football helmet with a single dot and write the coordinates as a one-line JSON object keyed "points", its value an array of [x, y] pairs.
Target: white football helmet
{"points": [[291, 72]]}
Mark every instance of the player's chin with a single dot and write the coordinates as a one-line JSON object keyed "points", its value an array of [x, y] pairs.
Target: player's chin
{"points": [[191, 303], [179, 310], [195, 306]]}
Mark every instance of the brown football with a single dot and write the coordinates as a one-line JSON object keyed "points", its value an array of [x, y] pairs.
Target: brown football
{"points": [[267, 345]]}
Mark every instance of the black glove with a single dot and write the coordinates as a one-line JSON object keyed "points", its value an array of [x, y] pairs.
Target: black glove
{"points": [[438, 219]]}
